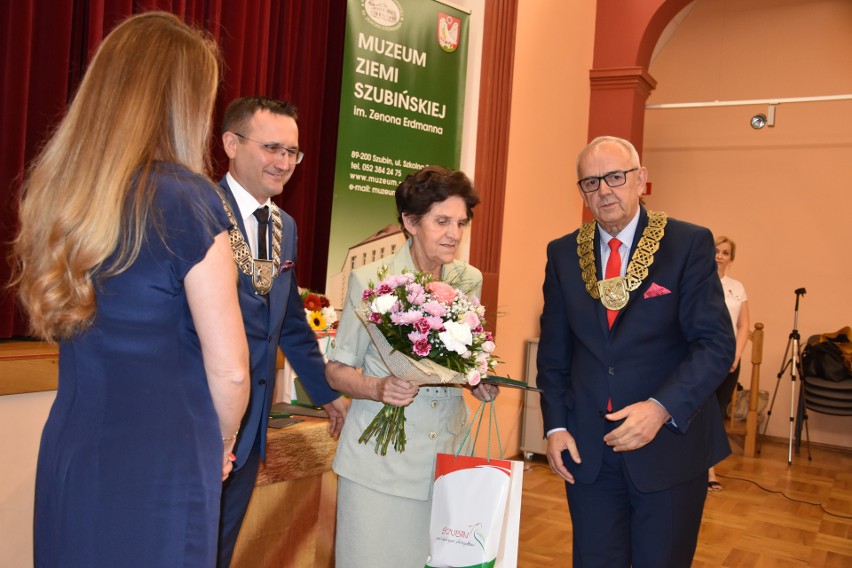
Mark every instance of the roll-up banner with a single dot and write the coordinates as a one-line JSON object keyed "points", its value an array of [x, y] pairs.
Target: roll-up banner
{"points": [[401, 108]]}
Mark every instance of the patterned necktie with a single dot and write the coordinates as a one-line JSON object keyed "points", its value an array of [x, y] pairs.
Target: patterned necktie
{"points": [[262, 216], [613, 269]]}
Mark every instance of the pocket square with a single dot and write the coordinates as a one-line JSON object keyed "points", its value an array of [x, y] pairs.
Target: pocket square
{"points": [[655, 290], [286, 265]]}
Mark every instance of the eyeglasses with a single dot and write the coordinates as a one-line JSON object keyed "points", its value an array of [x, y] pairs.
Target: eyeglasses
{"points": [[613, 179], [277, 149]]}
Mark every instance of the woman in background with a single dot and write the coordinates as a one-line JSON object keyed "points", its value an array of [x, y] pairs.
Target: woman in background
{"points": [[123, 258], [737, 302], [384, 501]]}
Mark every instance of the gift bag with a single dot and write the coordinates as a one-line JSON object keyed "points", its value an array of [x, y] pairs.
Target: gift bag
{"points": [[476, 510], [507, 556]]}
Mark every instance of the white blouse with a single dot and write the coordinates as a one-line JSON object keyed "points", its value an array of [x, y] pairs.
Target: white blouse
{"points": [[735, 295]]}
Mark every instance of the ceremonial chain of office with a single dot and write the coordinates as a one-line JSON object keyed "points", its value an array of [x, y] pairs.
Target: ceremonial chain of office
{"points": [[261, 271], [637, 270]]}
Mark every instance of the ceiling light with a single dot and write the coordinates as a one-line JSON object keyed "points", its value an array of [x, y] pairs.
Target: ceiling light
{"points": [[758, 121]]}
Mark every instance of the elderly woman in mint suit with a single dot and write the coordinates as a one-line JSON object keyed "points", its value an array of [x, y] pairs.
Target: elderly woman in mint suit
{"points": [[384, 501]]}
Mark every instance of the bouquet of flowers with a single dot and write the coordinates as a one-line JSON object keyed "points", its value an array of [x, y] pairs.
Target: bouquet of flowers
{"points": [[427, 332], [318, 311]]}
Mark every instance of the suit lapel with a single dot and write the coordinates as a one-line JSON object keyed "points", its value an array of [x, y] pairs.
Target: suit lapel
{"points": [[223, 183]]}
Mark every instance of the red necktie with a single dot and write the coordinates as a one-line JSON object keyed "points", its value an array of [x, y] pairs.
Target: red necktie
{"points": [[613, 269]]}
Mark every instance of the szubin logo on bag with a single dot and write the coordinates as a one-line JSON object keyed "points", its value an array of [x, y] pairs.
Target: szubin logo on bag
{"points": [[471, 537]]}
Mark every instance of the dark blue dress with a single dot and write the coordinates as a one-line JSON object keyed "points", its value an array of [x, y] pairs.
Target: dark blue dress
{"points": [[129, 470]]}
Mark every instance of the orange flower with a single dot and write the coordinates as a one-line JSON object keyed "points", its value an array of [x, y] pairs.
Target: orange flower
{"points": [[441, 291]]}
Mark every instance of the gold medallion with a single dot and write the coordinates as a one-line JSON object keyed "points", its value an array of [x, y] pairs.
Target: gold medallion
{"points": [[613, 292], [262, 276]]}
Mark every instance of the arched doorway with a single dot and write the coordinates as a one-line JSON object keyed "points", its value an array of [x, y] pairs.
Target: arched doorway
{"points": [[625, 36]]}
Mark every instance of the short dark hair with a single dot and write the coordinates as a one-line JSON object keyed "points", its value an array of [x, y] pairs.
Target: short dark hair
{"points": [[432, 184], [240, 111]]}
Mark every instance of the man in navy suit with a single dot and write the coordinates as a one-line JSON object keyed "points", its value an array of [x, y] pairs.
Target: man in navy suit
{"points": [[635, 338], [261, 139]]}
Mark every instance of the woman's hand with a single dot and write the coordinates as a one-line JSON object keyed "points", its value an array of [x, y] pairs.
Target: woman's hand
{"points": [[485, 393], [395, 391], [227, 464]]}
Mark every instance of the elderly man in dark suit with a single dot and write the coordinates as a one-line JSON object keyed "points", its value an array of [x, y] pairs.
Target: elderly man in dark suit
{"points": [[635, 338], [261, 139]]}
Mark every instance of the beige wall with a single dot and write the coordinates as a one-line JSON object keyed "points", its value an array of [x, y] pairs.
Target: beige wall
{"points": [[22, 417], [549, 124], [783, 193]]}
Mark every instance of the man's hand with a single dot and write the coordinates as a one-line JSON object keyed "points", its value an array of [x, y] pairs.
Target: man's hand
{"points": [[557, 442], [337, 410], [642, 421]]}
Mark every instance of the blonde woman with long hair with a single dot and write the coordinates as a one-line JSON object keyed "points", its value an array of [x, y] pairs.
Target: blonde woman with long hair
{"points": [[123, 258]]}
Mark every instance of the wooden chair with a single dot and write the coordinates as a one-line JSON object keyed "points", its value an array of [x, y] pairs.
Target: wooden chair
{"points": [[749, 429]]}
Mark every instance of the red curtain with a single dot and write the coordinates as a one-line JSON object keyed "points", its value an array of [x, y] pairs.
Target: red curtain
{"points": [[288, 49]]}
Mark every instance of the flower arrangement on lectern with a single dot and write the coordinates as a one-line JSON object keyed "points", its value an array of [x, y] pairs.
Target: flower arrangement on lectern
{"points": [[320, 314]]}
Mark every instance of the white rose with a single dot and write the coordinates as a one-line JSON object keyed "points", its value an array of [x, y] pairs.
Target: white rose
{"points": [[456, 337], [383, 303]]}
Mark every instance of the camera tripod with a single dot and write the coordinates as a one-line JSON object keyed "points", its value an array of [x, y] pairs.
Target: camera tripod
{"points": [[793, 363]]}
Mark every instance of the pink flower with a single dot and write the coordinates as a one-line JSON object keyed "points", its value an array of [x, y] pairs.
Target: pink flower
{"points": [[416, 294], [422, 325], [416, 336], [473, 378], [422, 347], [436, 323], [442, 292], [488, 346], [384, 288], [470, 319], [400, 279], [411, 316], [434, 308], [376, 318]]}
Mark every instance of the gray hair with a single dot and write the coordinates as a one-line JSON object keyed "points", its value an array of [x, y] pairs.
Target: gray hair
{"points": [[634, 155]]}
